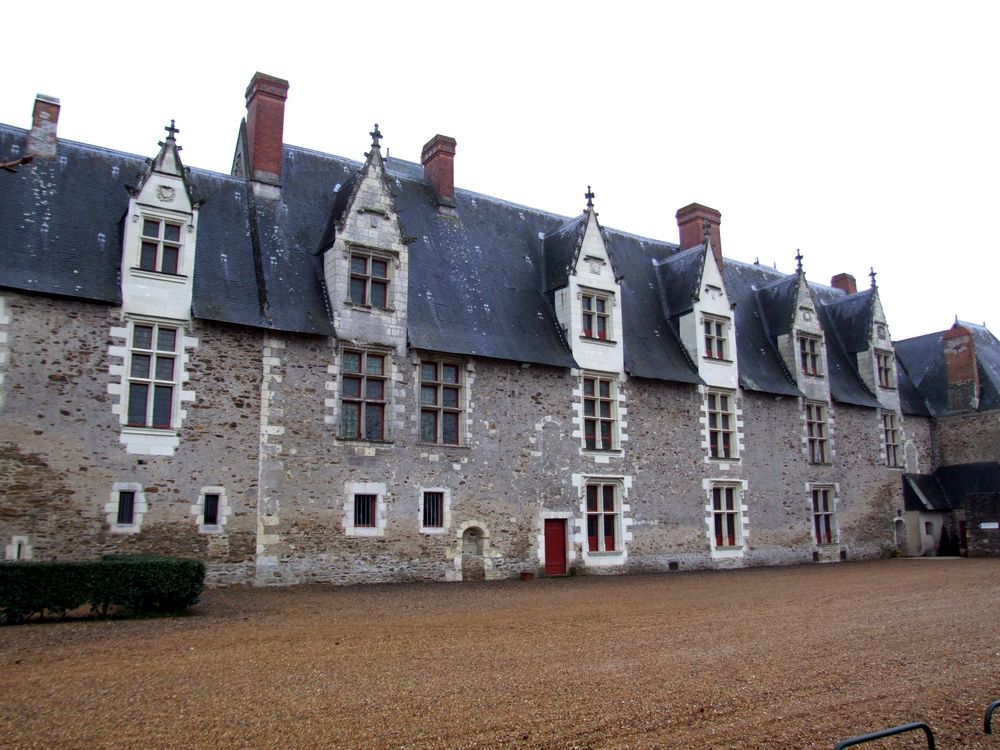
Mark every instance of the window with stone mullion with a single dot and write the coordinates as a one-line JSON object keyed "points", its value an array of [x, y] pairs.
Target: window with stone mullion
{"points": [[816, 433], [725, 517], [152, 372], [369, 280], [598, 414], [161, 246], [822, 516], [363, 384], [721, 439], [602, 517], [440, 402]]}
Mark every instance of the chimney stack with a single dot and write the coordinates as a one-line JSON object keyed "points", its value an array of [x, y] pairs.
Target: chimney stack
{"points": [[266, 97], [44, 123], [845, 283], [438, 158], [961, 368], [691, 221]]}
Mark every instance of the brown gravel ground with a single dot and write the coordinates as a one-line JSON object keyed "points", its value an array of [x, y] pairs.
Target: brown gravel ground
{"points": [[777, 658]]}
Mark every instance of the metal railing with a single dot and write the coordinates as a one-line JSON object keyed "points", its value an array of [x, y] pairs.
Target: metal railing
{"points": [[912, 727]]}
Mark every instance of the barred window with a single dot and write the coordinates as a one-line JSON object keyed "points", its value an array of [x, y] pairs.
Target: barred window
{"points": [[433, 510], [126, 508], [364, 510]]}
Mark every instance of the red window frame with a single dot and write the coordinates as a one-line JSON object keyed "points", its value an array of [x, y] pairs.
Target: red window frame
{"points": [[726, 517], [810, 355], [823, 515], [596, 315], [716, 333], [603, 516], [441, 402], [599, 413], [363, 395]]}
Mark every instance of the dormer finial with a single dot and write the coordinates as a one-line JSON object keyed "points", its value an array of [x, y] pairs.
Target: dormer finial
{"points": [[171, 130], [798, 261], [589, 195], [376, 135], [871, 275]]}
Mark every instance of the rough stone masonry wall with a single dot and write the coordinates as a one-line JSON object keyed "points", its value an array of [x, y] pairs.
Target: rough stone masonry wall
{"points": [[60, 453], [967, 438]]}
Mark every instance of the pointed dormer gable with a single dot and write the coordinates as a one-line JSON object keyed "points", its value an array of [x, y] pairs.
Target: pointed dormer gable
{"points": [[365, 258], [160, 237], [588, 302]]}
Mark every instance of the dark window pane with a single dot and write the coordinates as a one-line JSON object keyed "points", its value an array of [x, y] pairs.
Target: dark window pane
{"points": [[374, 364], [428, 395], [172, 232], [609, 497], [449, 373], [352, 361], [380, 269], [602, 328], [601, 305], [449, 428], [433, 509], [352, 387], [588, 387], [605, 386], [374, 389], [450, 397], [428, 426], [126, 507], [358, 291], [350, 421], [140, 365], [606, 409], [379, 294], [587, 302], [593, 524], [373, 421], [589, 407], [359, 264], [609, 533], [211, 514], [364, 510], [150, 228], [605, 435], [169, 260], [138, 394], [166, 339], [164, 368], [142, 337], [428, 371], [590, 434], [147, 258], [163, 396], [591, 497]]}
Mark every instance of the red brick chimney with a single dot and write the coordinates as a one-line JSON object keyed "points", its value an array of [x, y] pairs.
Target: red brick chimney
{"points": [[691, 222], [438, 158], [44, 124], [266, 97], [845, 283], [961, 368]]}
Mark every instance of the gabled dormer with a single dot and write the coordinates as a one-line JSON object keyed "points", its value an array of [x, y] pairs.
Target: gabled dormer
{"points": [[160, 238], [586, 291], [365, 258]]}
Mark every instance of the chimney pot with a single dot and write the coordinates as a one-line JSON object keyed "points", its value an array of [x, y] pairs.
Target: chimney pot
{"points": [[438, 158], [845, 282], [266, 97], [962, 368], [42, 138], [691, 222]]}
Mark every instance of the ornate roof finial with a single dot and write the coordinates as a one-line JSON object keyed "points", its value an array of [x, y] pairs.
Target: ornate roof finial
{"points": [[376, 137], [798, 260], [589, 195], [871, 275], [171, 131]]}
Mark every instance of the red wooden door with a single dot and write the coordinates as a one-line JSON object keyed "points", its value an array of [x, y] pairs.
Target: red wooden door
{"points": [[555, 546]]}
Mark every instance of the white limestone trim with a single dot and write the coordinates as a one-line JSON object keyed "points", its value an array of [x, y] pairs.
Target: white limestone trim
{"points": [[4, 348], [620, 436], [198, 510], [148, 441], [381, 514], [571, 554], [395, 405], [455, 553], [834, 488], [446, 511], [139, 509], [269, 449], [723, 464], [603, 559], [18, 549], [741, 485]]}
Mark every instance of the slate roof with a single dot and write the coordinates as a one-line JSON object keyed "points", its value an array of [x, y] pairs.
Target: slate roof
{"points": [[948, 487], [922, 358], [480, 282]]}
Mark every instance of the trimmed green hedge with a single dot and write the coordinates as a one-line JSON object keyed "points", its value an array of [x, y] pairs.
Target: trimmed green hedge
{"points": [[132, 584]]}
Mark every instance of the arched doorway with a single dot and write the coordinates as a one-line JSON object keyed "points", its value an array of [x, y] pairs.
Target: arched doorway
{"points": [[473, 563]]}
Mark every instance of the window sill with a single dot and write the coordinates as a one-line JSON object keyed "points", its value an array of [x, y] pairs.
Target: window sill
{"points": [[596, 340], [598, 553], [818, 375], [887, 387], [724, 460], [134, 429], [720, 360], [603, 451], [442, 446], [368, 308], [821, 463], [363, 441], [174, 278]]}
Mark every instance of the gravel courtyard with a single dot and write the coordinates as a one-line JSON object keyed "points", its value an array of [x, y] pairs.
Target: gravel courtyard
{"points": [[778, 658]]}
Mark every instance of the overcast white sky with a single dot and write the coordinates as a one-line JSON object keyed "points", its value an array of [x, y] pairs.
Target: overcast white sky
{"points": [[864, 133]]}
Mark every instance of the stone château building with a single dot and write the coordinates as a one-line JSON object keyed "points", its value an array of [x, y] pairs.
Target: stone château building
{"points": [[321, 369]]}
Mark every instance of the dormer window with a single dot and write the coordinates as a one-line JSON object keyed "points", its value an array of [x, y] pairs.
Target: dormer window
{"points": [[369, 280], [161, 246], [596, 315], [716, 338], [883, 363], [810, 355]]}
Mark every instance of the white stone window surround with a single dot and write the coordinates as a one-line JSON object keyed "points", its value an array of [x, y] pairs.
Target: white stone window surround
{"points": [[624, 530], [810, 350], [891, 428], [19, 548], [162, 216], [610, 300], [391, 258], [619, 413], [333, 402], [834, 489], [740, 485], [827, 410], [150, 441], [198, 510], [466, 378], [736, 416], [139, 509], [716, 338], [381, 513], [571, 554], [446, 510]]}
